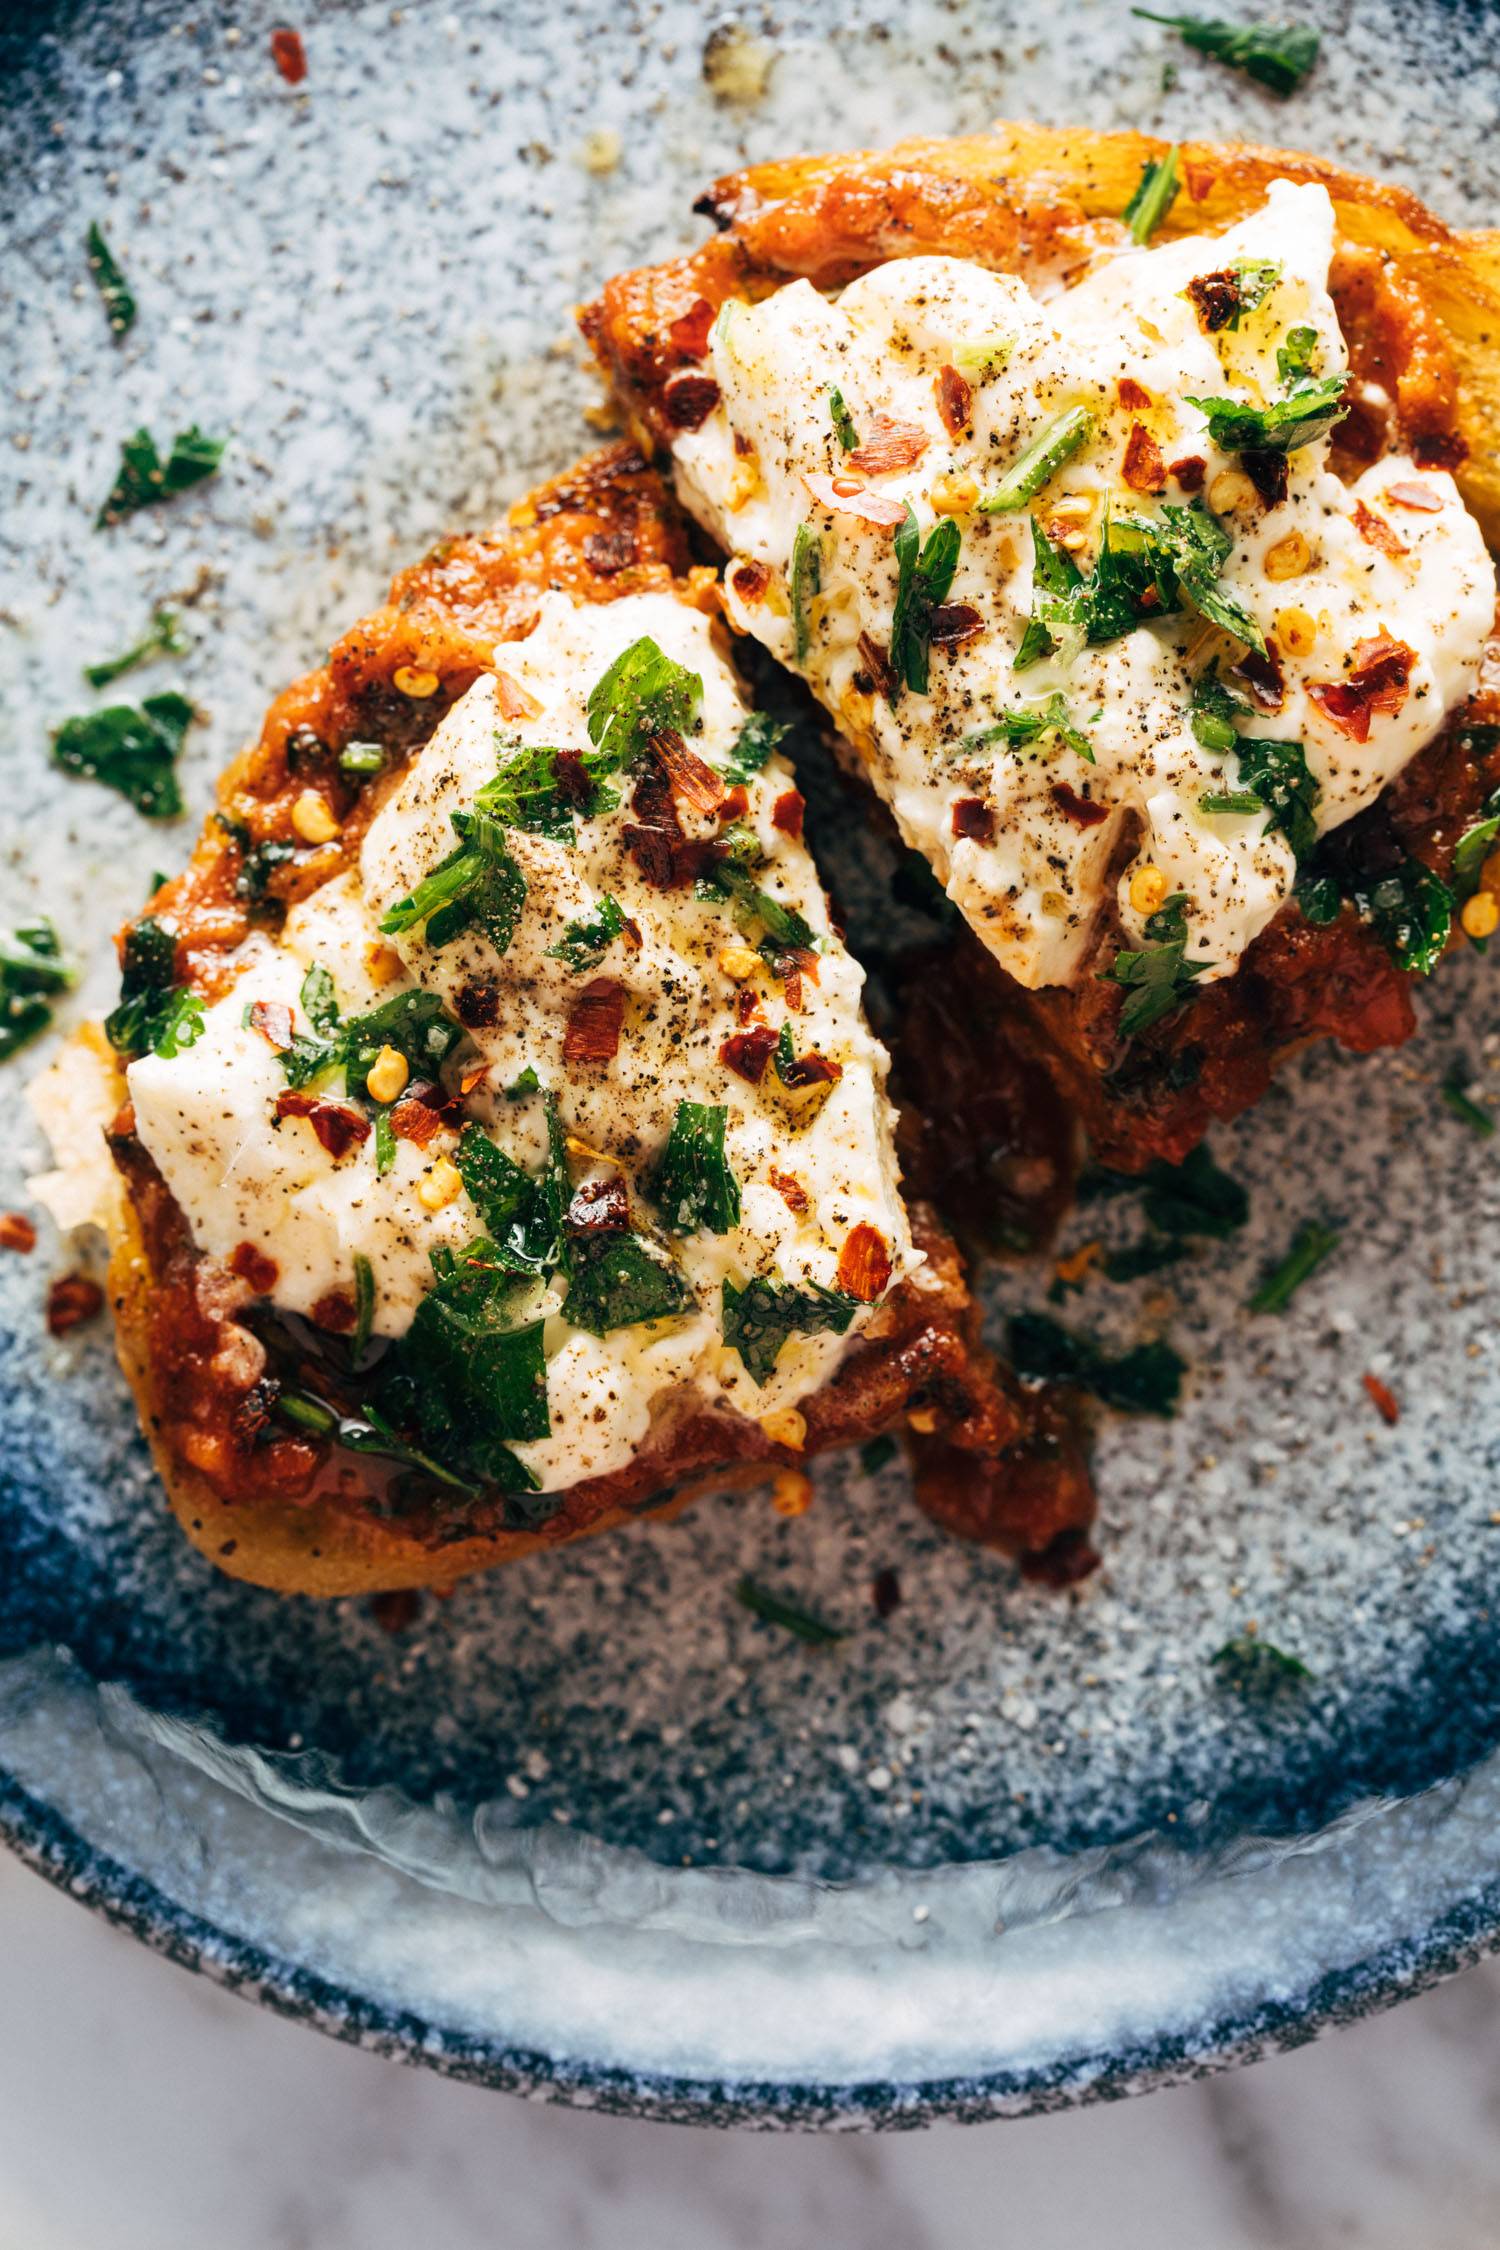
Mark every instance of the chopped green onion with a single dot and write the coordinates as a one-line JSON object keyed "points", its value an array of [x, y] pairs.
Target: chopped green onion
{"points": [[1155, 194], [1313, 1244], [843, 421], [772, 1610], [1040, 462], [364, 1304]]}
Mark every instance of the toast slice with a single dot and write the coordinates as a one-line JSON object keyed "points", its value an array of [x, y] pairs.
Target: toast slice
{"points": [[395, 1166], [820, 253]]}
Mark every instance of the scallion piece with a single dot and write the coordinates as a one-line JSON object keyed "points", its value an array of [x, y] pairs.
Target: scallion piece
{"points": [[1039, 463], [1313, 1244]]}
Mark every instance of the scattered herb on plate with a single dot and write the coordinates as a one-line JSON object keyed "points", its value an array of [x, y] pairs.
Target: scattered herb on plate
{"points": [[32, 972], [1155, 193], [163, 637], [1314, 1244], [144, 478], [1145, 1380], [132, 748], [119, 304], [773, 1609], [1277, 55]]}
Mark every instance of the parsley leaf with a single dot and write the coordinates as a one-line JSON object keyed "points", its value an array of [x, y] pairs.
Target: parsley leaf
{"points": [[119, 304], [1021, 729], [925, 574], [584, 944], [806, 578], [1034, 468], [364, 1305], [1057, 597], [643, 694], [618, 1280], [130, 748], [1156, 192], [1277, 773], [1255, 1666], [843, 421], [759, 1318], [757, 738], [1146, 1380], [1456, 1095], [522, 1214], [1194, 1197], [1295, 355], [156, 1015], [1411, 912], [1309, 411], [320, 1000], [466, 1377], [478, 882], [163, 637], [1314, 1243], [412, 1022], [144, 478], [1216, 707], [1278, 55], [694, 1185], [1198, 548], [31, 966], [1158, 977]]}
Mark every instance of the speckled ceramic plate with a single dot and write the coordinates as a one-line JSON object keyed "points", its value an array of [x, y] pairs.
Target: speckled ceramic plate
{"points": [[588, 1826]]}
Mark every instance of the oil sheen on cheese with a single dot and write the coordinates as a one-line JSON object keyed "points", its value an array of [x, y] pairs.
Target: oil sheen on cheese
{"points": [[1035, 889], [810, 1169]]}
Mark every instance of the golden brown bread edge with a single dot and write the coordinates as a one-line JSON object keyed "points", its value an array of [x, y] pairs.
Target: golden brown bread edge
{"points": [[993, 1463], [1022, 193]]}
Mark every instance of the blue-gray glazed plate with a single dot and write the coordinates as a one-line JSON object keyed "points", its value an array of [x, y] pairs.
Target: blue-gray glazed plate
{"points": [[588, 1827]]}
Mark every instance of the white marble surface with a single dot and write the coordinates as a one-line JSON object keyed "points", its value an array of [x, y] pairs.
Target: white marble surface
{"points": [[142, 2109]]}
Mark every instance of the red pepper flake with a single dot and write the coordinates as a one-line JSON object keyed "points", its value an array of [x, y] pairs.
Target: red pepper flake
{"points": [[885, 1592], [17, 1232], [811, 1069], [593, 1033], [1189, 471], [337, 1312], [600, 1207], [1383, 1398], [1380, 681], [288, 54], [1216, 298], [688, 333], [71, 1300], [747, 1004], [954, 625], [1267, 471], [793, 1194], [338, 1127], [733, 805], [1082, 811], [687, 400], [746, 1053], [397, 1612], [479, 1072], [1133, 395], [1421, 497], [786, 813], [891, 445], [273, 1020], [572, 778], [512, 700], [845, 497], [692, 783], [864, 1263], [955, 400], [609, 552], [1439, 449], [477, 1005], [1376, 532], [751, 580], [1143, 467], [973, 818], [254, 1266], [878, 666], [415, 1119], [1262, 675]]}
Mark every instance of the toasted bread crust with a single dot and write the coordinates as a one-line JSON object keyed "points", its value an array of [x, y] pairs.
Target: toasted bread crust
{"points": [[269, 1505]]}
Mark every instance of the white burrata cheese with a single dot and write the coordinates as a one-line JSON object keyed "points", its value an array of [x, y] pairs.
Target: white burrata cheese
{"points": [[759, 467], [811, 1167]]}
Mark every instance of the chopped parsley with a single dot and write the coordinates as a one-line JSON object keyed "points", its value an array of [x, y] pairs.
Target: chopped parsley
{"points": [[1032, 470], [786, 931], [163, 637], [32, 969], [983, 360], [644, 693], [1058, 592], [1026, 729], [1194, 1197], [1478, 839], [1144, 1380], [1158, 977], [757, 738], [842, 420], [1156, 191], [1314, 1243], [806, 579], [1309, 411], [1256, 1666], [771, 1609], [144, 478], [1275, 780], [156, 1014], [119, 304], [521, 1214], [694, 1186], [877, 1453], [1277, 55], [412, 1022], [1295, 355], [759, 1318], [1216, 708], [132, 748], [1411, 912], [1142, 568], [1196, 548], [467, 1378], [924, 576], [583, 945], [258, 863], [479, 882], [1456, 1095], [616, 1280]]}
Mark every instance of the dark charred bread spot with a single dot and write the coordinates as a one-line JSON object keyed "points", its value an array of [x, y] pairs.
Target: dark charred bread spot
{"points": [[254, 1267], [610, 552], [1143, 468], [1267, 471], [688, 400], [1438, 449], [594, 1021]]}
